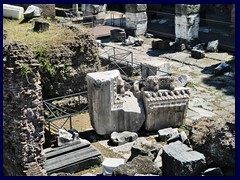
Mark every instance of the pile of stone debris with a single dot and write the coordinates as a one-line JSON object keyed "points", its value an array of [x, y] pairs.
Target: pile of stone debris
{"points": [[177, 155]]}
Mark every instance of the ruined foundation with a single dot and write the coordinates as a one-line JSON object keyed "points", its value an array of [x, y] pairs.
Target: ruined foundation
{"points": [[110, 107]]}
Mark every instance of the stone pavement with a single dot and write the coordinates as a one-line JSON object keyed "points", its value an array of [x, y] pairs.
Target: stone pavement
{"points": [[210, 95]]}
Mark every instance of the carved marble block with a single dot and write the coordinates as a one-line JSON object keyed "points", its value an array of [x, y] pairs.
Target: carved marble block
{"points": [[165, 105], [111, 108]]}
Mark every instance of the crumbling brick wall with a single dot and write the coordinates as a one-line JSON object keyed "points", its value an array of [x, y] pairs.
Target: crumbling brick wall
{"points": [[23, 120]]}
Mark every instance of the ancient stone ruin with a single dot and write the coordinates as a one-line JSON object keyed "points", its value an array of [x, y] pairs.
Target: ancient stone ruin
{"points": [[165, 105], [23, 120], [112, 108]]}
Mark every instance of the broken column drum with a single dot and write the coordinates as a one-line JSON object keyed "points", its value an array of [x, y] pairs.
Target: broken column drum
{"points": [[165, 105], [110, 107], [186, 22]]}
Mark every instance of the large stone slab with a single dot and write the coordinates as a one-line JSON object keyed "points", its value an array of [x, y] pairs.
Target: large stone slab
{"points": [[110, 107], [11, 11], [159, 68], [180, 160]]}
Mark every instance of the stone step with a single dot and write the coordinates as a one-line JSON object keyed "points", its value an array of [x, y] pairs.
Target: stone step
{"points": [[53, 152], [76, 160]]}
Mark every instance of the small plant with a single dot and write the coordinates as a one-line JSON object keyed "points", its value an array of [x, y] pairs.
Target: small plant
{"points": [[25, 71], [43, 59]]}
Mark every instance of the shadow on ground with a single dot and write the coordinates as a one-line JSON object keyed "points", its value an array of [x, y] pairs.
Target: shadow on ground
{"points": [[155, 53], [224, 80]]}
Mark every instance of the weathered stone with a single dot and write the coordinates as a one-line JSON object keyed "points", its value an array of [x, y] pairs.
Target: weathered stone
{"points": [[110, 107], [180, 160], [160, 44], [118, 35], [94, 11], [222, 68], [23, 121], [213, 172], [183, 80], [123, 137], [212, 46], [159, 68], [167, 133], [110, 164], [187, 9], [40, 26], [32, 11], [11, 11], [197, 54], [139, 165], [186, 22], [179, 137], [136, 22], [145, 148], [215, 138], [179, 46], [164, 106], [135, 8]]}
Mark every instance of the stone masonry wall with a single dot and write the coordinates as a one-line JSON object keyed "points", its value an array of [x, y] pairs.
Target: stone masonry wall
{"points": [[23, 120]]}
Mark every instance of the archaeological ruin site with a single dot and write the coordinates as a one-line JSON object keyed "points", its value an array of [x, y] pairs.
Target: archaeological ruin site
{"points": [[118, 89]]}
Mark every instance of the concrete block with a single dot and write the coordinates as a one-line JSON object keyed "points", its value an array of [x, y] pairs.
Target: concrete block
{"points": [[180, 160], [110, 107], [11, 11]]}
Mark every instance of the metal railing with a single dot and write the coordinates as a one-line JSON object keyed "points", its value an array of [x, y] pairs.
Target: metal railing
{"points": [[57, 114]]}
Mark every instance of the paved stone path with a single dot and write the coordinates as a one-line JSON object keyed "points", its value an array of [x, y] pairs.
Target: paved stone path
{"points": [[210, 95]]}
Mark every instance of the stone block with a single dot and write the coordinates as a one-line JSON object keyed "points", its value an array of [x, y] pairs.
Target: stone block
{"points": [[137, 22], [212, 46], [11, 11], [139, 165], [110, 107], [166, 133], [186, 9], [165, 105], [160, 44], [41, 26], [118, 35], [145, 148], [32, 12], [123, 137], [110, 164], [197, 54], [160, 68], [135, 8], [180, 160]]}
